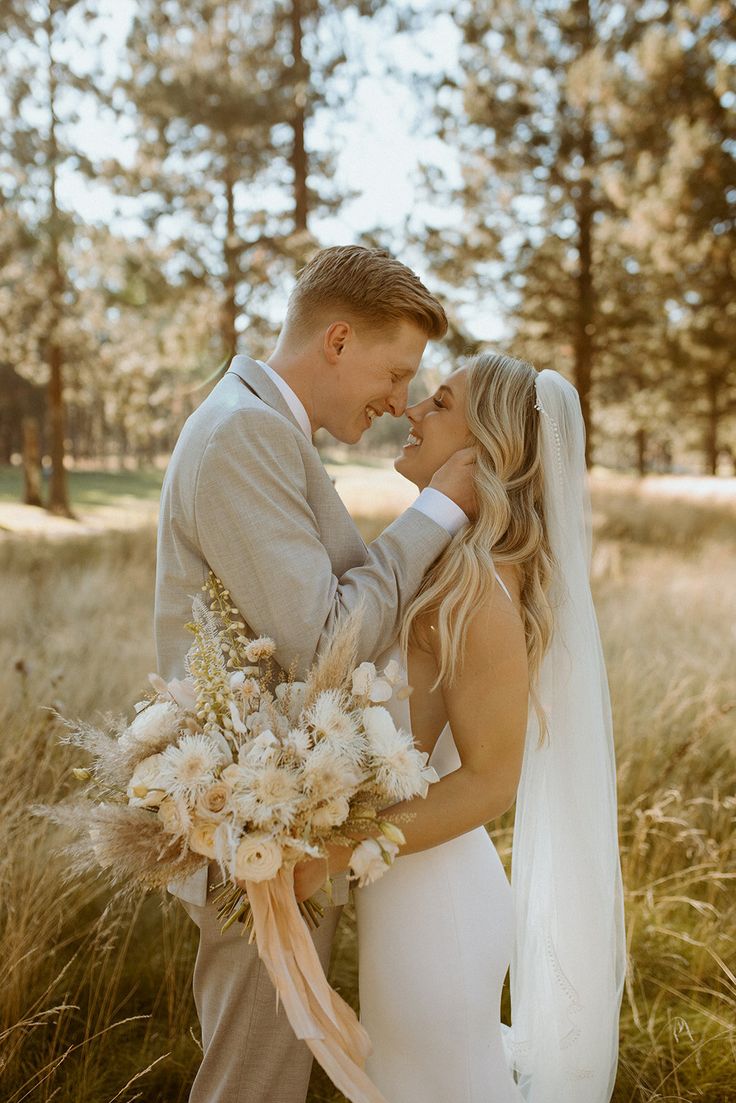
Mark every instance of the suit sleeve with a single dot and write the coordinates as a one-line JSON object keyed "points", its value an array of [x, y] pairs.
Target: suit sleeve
{"points": [[259, 535]]}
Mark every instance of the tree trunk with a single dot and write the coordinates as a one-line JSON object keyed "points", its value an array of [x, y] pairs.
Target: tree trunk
{"points": [[712, 426], [31, 462], [584, 204], [58, 488], [231, 253], [641, 451], [299, 153]]}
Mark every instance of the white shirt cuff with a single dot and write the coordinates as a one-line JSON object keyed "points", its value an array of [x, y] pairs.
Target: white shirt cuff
{"points": [[438, 507]]}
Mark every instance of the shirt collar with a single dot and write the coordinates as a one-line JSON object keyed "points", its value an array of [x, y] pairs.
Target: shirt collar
{"points": [[295, 404]]}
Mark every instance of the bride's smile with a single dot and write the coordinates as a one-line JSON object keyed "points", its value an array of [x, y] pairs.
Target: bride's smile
{"points": [[437, 429]]}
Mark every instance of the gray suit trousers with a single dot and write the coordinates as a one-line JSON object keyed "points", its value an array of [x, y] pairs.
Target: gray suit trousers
{"points": [[250, 1053]]}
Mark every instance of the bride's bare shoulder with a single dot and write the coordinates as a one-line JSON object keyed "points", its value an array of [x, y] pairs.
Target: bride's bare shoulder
{"points": [[495, 633]]}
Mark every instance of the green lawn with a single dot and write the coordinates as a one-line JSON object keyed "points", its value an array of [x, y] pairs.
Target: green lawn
{"points": [[91, 488]]}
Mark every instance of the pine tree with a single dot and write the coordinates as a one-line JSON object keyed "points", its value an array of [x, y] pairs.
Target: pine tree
{"points": [[678, 194], [36, 40], [223, 94]]}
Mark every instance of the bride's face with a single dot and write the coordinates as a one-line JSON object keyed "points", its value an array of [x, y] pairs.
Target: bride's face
{"points": [[438, 429]]}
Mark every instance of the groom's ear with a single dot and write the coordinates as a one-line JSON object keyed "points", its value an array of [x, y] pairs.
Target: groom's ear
{"points": [[335, 340]]}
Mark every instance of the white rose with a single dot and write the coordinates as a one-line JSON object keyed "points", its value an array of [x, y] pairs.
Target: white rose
{"points": [[214, 800], [202, 838], [371, 859], [171, 817], [151, 725], [258, 858], [145, 788]]}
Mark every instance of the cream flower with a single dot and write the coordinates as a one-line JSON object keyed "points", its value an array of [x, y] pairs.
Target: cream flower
{"points": [[263, 749], [245, 805], [220, 743], [406, 774], [189, 766], [393, 672], [334, 724], [392, 832], [371, 858], [277, 793], [181, 690], [258, 721], [214, 800], [258, 858], [203, 838], [291, 697], [383, 736], [366, 683], [299, 742], [259, 649], [332, 813], [363, 678], [250, 691], [401, 770], [173, 818], [148, 785], [154, 723], [234, 775], [328, 774]]}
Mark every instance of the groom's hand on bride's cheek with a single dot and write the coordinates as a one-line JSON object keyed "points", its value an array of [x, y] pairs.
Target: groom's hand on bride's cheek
{"points": [[309, 876], [456, 479]]}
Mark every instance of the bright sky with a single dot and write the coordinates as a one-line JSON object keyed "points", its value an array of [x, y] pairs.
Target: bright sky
{"points": [[382, 139]]}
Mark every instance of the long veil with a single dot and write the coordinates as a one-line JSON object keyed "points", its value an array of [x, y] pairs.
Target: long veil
{"points": [[569, 959]]}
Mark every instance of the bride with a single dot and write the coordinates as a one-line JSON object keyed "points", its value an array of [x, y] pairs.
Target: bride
{"points": [[510, 700]]}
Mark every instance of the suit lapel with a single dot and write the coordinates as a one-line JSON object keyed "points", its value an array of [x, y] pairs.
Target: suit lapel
{"points": [[253, 375], [353, 549]]}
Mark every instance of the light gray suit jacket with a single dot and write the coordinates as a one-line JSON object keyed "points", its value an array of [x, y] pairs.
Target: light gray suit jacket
{"points": [[246, 495]]}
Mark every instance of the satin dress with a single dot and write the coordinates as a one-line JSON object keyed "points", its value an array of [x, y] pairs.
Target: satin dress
{"points": [[435, 934]]}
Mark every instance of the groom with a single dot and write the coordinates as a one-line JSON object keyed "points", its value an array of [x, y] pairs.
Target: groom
{"points": [[246, 495]]}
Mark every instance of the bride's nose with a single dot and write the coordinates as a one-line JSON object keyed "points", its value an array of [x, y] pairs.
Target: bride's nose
{"points": [[412, 411]]}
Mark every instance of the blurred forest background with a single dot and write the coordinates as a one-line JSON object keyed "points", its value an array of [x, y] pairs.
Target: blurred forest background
{"points": [[563, 174]]}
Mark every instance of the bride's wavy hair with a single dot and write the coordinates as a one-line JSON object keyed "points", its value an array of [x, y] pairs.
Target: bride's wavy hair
{"points": [[501, 416]]}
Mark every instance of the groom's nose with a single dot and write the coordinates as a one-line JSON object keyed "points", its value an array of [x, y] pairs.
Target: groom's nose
{"points": [[398, 399]]}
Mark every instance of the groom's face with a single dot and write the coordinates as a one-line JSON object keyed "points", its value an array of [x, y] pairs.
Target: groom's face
{"points": [[370, 376]]}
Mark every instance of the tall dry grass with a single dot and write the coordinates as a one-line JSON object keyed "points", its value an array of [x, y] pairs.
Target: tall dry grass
{"points": [[95, 1001]]}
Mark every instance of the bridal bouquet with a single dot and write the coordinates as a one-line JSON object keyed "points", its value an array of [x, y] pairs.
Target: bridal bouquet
{"points": [[241, 763]]}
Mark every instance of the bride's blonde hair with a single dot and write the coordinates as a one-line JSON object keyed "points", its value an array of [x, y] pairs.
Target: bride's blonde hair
{"points": [[501, 416]]}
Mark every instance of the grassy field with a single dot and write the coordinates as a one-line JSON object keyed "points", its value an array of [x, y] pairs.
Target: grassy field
{"points": [[95, 1004]]}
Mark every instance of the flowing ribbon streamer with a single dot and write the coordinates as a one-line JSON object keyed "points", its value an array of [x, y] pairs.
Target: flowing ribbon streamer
{"points": [[317, 1014]]}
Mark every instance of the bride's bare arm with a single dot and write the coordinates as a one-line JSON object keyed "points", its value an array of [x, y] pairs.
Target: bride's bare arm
{"points": [[487, 712]]}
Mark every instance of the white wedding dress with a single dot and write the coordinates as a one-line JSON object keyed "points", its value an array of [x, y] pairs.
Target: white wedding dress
{"points": [[435, 934]]}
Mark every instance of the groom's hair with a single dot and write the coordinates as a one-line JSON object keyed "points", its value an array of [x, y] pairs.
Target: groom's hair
{"points": [[368, 284]]}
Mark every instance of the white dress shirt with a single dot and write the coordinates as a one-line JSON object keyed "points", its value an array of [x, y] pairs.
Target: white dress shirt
{"points": [[432, 503]]}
